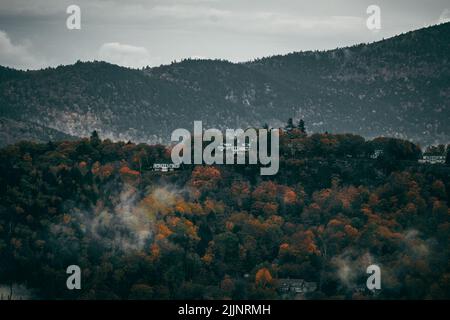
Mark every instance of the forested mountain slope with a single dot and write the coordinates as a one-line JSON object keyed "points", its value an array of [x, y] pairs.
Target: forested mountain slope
{"points": [[396, 87]]}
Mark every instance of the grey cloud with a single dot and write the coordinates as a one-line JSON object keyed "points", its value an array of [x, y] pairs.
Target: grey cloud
{"points": [[18, 56], [445, 16], [124, 55], [236, 30]]}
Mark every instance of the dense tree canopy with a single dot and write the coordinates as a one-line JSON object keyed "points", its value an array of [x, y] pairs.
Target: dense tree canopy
{"points": [[224, 231]]}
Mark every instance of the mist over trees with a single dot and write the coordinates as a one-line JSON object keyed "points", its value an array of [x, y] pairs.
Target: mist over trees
{"points": [[214, 232]]}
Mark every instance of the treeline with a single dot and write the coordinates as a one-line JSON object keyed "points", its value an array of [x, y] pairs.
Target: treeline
{"points": [[211, 232]]}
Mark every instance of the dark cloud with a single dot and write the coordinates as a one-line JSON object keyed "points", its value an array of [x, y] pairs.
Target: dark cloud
{"points": [[236, 30]]}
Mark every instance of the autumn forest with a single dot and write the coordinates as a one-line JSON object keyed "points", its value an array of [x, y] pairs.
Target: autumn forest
{"points": [[224, 232]]}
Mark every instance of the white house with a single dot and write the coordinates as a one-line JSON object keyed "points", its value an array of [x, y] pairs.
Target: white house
{"points": [[244, 147], [296, 286], [432, 159], [165, 167], [377, 153]]}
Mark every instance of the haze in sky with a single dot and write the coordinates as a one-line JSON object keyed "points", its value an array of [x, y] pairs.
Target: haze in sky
{"points": [[33, 34]]}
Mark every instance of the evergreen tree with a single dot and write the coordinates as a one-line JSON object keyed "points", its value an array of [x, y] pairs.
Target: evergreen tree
{"points": [[95, 139], [447, 158], [290, 124], [50, 145], [301, 126]]}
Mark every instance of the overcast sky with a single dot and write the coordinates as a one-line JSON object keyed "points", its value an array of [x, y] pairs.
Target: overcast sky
{"points": [[33, 33]]}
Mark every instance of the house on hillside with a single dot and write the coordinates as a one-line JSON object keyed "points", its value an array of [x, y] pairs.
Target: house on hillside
{"points": [[377, 153], [165, 167], [296, 286], [432, 159], [244, 147]]}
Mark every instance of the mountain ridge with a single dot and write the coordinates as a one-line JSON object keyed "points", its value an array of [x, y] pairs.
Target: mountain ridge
{"points": [[395, 87]]}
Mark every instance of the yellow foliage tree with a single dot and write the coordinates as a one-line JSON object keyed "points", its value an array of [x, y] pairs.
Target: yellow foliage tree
{"points": [[263, 277]]}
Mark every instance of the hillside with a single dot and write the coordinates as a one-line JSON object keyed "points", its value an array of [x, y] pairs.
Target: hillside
{"points": [[12, 130], [221, 232], [397, 87]]}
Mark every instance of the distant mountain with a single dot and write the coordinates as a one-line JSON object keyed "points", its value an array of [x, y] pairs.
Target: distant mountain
{"points": [[12, 131], [396, 87]]}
